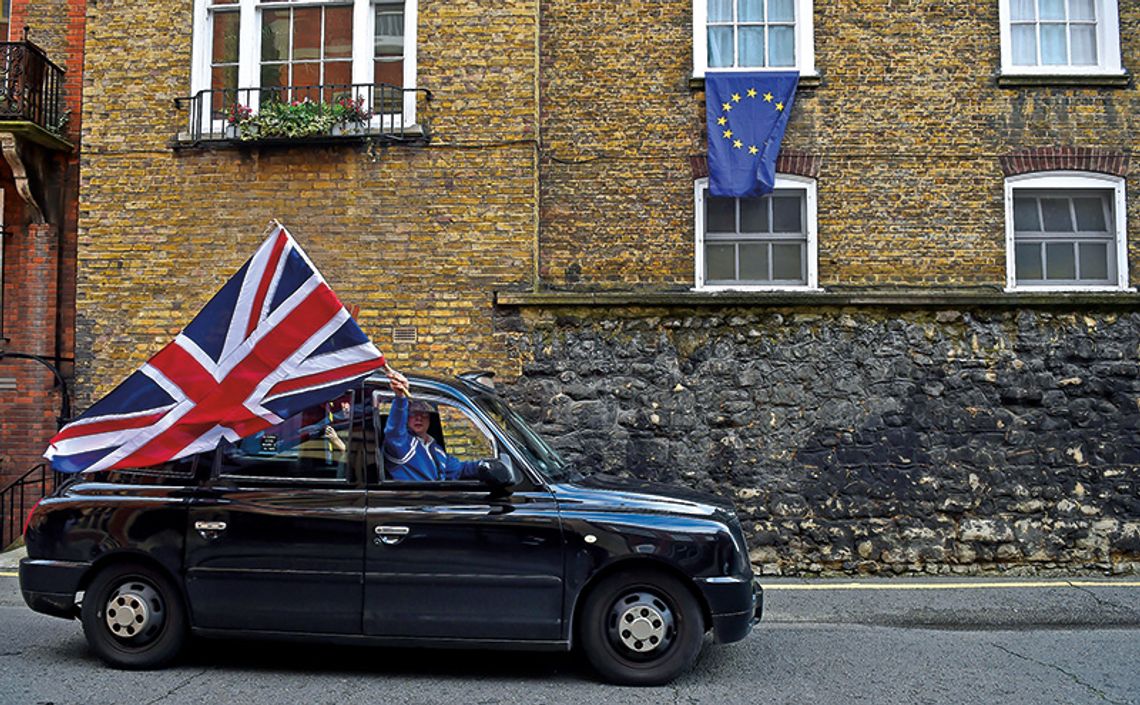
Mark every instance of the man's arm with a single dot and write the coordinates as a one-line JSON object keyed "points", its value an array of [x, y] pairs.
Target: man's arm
{"points": [[397, 440]]}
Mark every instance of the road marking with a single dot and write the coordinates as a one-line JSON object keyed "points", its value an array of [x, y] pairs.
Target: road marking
{"points": [[956, 586], [9, 575]]}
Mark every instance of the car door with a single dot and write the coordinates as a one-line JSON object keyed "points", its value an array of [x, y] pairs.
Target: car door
{"points": [[274, 541], [456, 559]]}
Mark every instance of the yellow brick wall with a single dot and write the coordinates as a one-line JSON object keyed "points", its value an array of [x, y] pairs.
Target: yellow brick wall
{"points": [[415, 236], [908, 120]]}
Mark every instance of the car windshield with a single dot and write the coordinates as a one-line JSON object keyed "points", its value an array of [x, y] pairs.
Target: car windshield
{"points": [[539, 453]]}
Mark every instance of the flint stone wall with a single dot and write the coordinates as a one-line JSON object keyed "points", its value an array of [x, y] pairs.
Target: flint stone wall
{"points": [[861, 440]]}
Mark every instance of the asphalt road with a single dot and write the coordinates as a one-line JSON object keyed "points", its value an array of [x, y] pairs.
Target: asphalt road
{"points": [[898, 641]]}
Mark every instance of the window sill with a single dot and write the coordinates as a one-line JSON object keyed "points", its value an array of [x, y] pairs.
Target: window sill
{"points": [[413, 134], [1092, 80], [807, 81], [1094, 290], [909, 298]]}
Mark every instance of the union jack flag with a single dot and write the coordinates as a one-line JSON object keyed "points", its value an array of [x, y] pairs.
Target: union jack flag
{"points": [[273, 341]]}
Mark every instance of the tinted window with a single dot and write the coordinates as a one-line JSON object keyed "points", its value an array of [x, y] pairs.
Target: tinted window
{"points": [[312, 445]]}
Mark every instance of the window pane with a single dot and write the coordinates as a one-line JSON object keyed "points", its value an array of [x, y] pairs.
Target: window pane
{"points": [[1023, 9], [1027, 262], [274, 76], [1060, 261], [720, 262], [1090, 215], [275, 35], [389, 39], [781, 46], [226, 37], [1025, 215], [223, 83], [720, 46], [1084, 44], [337, 73], [307, 34], [1082, 10], [720, 10], [750, 11], [720, 214], [310, 445], [751, 46], [390, 72], [338, 33], [1053, 42], [1052, 9], [306, 75], [1094, 261], [781, 11], [1055, 213], [461, 437], [1024, 44], [754, 215], [786, 261], [786, 214], [754, 261]]}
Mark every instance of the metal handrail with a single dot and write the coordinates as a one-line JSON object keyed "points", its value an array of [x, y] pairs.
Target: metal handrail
{"points": [[15, 497], [31, 86]]}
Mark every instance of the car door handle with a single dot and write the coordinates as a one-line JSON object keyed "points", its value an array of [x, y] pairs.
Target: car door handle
{"points": [[210, 525], [391, 535]]}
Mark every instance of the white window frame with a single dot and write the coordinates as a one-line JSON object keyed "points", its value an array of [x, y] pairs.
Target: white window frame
{"points": [[249, 64], [805, 42], [1062, 181], [811, 251], [1107, 38]]}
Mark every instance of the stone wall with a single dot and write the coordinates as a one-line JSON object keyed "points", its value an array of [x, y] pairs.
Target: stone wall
{"points": [[862, 439]]}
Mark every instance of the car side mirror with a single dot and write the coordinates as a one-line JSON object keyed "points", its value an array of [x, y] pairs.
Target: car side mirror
{"points": [[499, 473]]}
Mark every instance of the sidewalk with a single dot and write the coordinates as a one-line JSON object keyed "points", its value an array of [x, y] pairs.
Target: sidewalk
{"points": [[10, 560]]}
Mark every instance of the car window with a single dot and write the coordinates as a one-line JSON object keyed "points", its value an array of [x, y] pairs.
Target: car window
{"points": [[458, 433], [311, 445]]}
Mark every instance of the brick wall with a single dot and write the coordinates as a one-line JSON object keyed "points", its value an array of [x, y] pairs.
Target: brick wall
{"points": [[39, 266], [415, 236], [908, 123]]}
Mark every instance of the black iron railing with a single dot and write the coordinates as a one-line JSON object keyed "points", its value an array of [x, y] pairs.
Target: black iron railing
{"points": [[31, 86], [19, 496], [293, 113]]}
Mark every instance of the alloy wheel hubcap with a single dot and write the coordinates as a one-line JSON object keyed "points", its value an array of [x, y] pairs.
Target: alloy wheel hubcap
{"points": [[134, 611]]}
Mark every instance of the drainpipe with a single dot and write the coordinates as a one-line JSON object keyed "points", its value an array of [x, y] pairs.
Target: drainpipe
{"points": [[537, 135]]}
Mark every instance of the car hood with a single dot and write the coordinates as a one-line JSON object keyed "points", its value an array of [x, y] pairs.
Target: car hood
{"points": [[628, 494]]}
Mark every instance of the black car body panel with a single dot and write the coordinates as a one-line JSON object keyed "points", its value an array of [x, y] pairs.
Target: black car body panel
{"points": [[361, 558]]}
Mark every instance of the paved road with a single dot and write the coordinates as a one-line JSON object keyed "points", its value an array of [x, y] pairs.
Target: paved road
{"points": [[870, 642]]}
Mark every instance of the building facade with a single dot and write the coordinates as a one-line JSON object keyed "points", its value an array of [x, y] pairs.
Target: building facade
{"points": [[39, 135], [920, 353]]}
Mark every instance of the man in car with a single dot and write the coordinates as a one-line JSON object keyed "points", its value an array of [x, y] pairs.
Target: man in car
{"points": [[411, 453]]}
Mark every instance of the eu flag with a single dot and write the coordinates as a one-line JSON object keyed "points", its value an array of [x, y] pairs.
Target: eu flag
{"points": [[747, 114]]}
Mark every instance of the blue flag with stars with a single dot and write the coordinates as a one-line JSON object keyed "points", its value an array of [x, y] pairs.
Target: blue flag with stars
{"points": [[747, 114]]}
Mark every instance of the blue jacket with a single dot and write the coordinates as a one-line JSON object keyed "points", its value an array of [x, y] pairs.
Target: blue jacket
{"points": [[410, 458]]}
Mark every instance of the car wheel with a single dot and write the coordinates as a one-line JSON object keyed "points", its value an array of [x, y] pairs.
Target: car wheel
{"points": [[641, 628], [133, 617]]}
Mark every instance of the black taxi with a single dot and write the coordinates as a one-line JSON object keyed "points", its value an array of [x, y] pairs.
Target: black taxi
{"points": [[300, 531]]}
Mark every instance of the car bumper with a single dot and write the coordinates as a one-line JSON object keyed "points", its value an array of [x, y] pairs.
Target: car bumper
{"points": [[735, 604], [50, 586]]}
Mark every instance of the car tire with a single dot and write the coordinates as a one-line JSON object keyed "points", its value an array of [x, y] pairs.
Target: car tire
{"points": [[641, 628], [133, 617]]}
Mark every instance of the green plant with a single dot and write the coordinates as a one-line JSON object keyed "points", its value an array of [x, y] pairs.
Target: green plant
{"points": [[300, 118]]}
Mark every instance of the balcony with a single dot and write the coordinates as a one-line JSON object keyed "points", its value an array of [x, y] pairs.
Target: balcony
{"points": [[292, 115], [31, 91]]}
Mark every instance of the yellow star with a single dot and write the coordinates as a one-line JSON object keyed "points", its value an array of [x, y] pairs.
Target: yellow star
{"points": [[737, 144], [768, 97], [779, 106], [735, 97], [721, 120], [726, 107], [728, 134], [752, 149], [751, 92]]}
